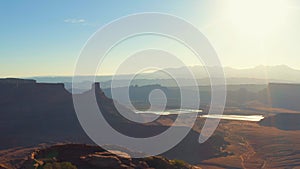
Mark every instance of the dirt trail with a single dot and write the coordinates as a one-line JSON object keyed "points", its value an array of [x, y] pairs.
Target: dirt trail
{"points": [[248, 154]]}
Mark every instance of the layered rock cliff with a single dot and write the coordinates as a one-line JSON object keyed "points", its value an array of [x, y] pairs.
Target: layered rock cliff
{"points": [[32, 113]]}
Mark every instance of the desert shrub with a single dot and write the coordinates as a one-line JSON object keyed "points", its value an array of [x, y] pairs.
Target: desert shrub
{"points": [[62, 165], [157, 162], [50, 154], [179, 163]]}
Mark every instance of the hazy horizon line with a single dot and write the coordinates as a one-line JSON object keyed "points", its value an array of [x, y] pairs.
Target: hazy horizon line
{"points": [[107, 75]]}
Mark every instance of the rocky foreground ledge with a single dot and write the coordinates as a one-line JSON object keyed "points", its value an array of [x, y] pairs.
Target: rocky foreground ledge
{"points": [[79, 156]]}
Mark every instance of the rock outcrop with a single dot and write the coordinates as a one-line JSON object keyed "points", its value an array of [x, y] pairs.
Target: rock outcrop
{"points": [[285, 95], [93, 157], [32, 113]]}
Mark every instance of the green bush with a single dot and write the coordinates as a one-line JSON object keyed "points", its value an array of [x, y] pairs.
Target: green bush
{"points": [[179, 163], [62, 165]]}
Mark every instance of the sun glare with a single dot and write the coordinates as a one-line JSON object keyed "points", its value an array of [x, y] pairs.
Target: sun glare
{"points": [[257, 17]]}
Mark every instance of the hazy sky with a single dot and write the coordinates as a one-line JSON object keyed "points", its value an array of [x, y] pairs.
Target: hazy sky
{"points": [[40, 38]]}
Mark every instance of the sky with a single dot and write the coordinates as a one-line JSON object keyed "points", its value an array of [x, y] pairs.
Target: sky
{"points": [[44, 38]]}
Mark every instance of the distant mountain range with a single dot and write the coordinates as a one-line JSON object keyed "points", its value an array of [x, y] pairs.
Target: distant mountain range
{"points": [[270, 73], [255, 75]]}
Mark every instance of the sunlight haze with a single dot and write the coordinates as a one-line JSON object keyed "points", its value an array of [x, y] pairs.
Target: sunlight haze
{"points": [[48, 40]]}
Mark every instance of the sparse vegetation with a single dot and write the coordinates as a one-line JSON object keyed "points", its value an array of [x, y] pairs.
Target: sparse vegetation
{"points": [[57, 165], [179, 163]]}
